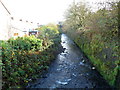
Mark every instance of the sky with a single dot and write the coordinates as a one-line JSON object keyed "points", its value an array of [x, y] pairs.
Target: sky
{"points": [[40, 11]]}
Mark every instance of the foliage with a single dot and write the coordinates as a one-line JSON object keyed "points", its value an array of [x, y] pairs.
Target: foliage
{"points": [[96, 33], [48, 31], [25, 43], [24, 59]]}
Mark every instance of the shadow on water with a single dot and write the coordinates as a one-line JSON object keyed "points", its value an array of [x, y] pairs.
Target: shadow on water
{"points": [[71, 69]]}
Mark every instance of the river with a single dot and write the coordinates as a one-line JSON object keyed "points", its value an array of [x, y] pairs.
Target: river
{"points": [[71, 69]]}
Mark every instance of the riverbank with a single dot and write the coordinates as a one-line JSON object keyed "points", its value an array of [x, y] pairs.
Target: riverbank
{"points": [[96, 33], [102, 54], [71, 69]]}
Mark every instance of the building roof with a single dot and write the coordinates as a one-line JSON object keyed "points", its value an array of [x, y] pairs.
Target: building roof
{"points": [[5, 7]]}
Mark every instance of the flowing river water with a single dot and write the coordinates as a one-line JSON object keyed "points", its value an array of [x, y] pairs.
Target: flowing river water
{"points": [[71, 69]]}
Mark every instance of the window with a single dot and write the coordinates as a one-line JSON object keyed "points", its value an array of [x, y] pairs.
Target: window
{"points": [[15, 34]]}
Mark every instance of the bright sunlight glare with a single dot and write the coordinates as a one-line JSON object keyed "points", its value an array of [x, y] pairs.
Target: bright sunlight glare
{"points": [[40, 11]]}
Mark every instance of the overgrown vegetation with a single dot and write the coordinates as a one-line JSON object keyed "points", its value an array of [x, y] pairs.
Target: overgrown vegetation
{"points": [[24, 58], [96, 33], [26, 43]]}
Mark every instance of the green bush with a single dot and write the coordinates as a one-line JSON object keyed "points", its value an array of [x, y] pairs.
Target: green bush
{"points": [[25, 43], [23, 60], [21, 66], [49, 31]]}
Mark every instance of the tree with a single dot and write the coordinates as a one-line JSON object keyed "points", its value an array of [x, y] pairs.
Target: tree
{"points": [[75, 17]]}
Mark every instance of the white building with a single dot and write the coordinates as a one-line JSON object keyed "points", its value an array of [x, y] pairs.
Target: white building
{"points": [[4, 22], [16, 27], [12, 26]]}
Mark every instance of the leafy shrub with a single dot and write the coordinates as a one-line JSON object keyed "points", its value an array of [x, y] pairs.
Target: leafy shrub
{"points": [[21, 66], [48, 34], [48, 31], [23, 59], [26, 43]]}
